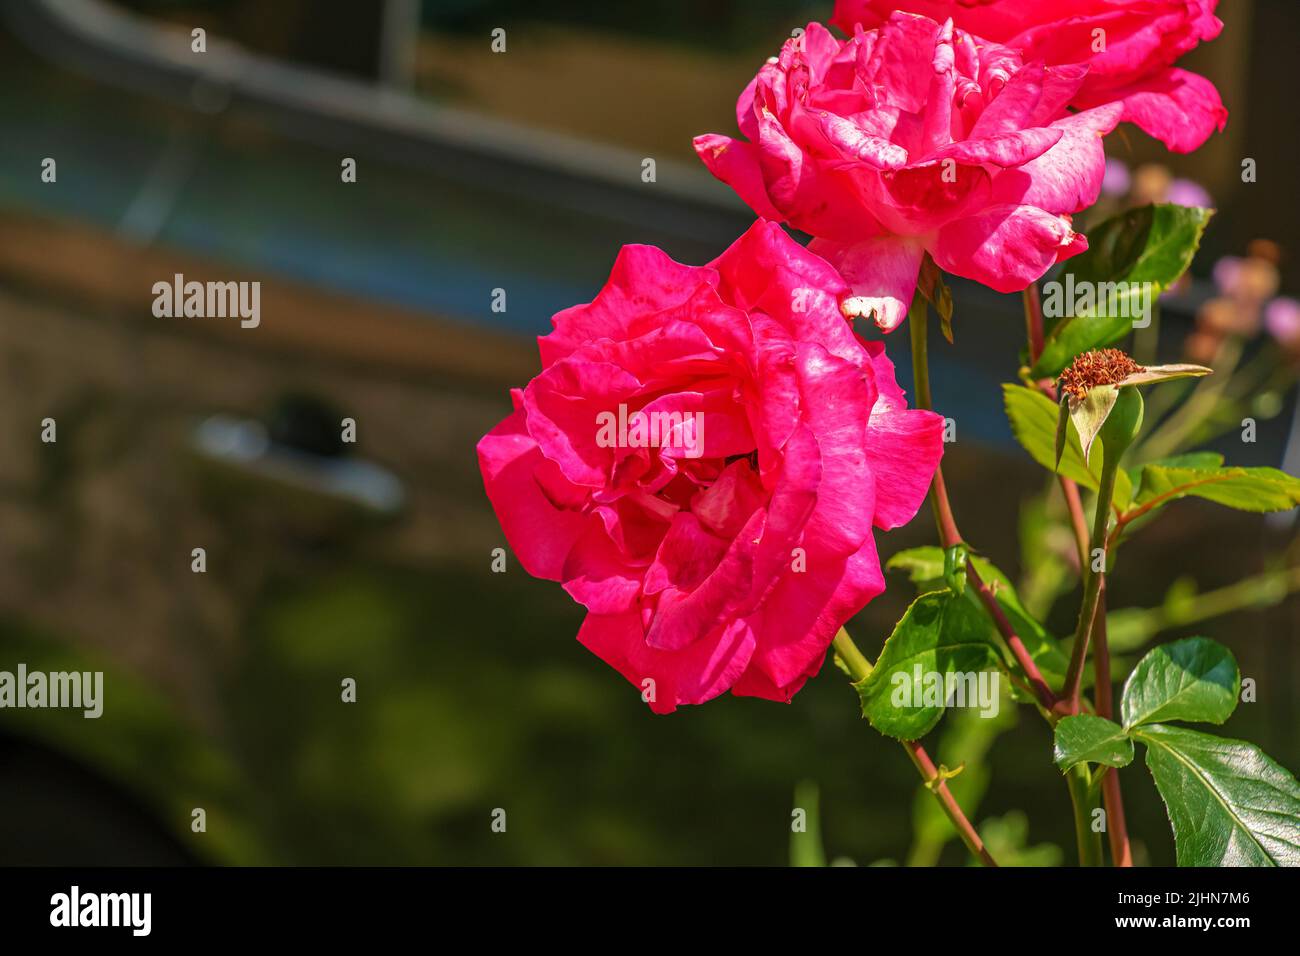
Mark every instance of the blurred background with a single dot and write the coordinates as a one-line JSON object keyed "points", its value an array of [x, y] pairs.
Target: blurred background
{"points": [[480, 170]]}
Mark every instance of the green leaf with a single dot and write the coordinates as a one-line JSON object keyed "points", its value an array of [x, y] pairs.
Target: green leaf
{"points": [[925, 568], [1192, 679], [1228, 802], [1034, 418], [1157, 374], [1090, 739], [904, 696], [1191, 459], [1089, 413], [1150, 244], [1246, 489]]}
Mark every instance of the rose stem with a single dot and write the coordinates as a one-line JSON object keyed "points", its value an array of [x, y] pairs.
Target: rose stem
{"points": [[1089, 842], [1034, 322], [1116, 828], [1069, 703], [948, 533], [859, 668]]}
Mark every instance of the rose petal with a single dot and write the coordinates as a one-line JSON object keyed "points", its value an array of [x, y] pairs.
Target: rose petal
{"points": [[540, 534], [881, 273], [1006, 247]]}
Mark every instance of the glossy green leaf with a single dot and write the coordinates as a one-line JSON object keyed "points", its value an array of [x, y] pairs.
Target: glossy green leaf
{"points": [[1192, 679], [925, 568], [1228, 802], [1246, 489], [941, 634], [1091, 739], [1034, 418], [1191, 459], [1152, 245]]}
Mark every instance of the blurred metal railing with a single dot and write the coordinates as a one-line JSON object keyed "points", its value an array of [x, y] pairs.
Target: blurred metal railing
{"points": [[115, 47]]}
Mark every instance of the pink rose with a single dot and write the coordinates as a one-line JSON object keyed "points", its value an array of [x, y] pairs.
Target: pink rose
{"points": [[727, 555], [916, 138], [1142, 39]]}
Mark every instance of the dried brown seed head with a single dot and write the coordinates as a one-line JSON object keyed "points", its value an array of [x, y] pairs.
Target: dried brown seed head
{"points": [[1101, 367]]}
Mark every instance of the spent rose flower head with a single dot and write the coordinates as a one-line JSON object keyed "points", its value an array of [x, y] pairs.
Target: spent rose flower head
{"points": [[1129, 47], [912, 138], [729, 566]]}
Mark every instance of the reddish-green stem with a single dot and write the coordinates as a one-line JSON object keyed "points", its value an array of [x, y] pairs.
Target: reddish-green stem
{"points": [[939, 787], [1116, 827], [947, 525], [1034, 322], [1121, 854], [1092, 582], [1126, 518]]}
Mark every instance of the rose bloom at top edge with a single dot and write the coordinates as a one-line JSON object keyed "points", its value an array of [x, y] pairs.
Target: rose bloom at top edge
{"points": [[1129, 48], [916, 137]]}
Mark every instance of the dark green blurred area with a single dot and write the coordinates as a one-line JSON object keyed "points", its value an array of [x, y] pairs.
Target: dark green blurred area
{"points": [[472, 695]]}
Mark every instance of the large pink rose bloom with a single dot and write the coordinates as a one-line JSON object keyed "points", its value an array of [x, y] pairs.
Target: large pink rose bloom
{"points": [[914, 138], [1142, 39], [729, 564]]}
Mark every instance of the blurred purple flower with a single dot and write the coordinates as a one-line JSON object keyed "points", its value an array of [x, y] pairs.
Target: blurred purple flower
{"points": [[1115, 181], [1282, 319], [1226, 271], [1185, 192]]}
